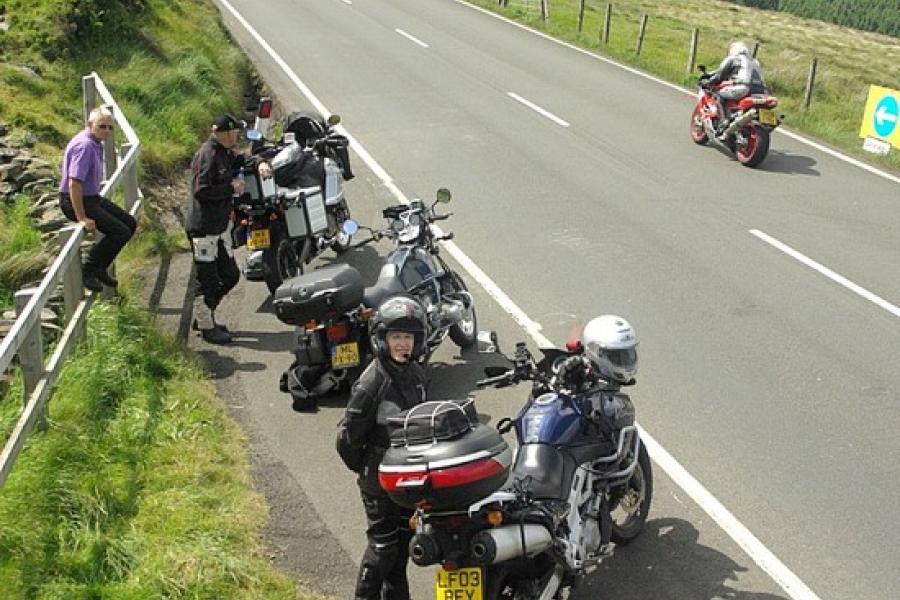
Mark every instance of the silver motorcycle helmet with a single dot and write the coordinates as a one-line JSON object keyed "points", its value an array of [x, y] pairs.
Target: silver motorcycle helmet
{"points": [[398, 313], [610, 342]]}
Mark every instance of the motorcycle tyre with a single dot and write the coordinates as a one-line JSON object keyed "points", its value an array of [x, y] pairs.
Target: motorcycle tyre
{"points": [[760, 149], [514, 573], [624, 535], [273, 273], [337, 246], [457, 334], [698, 134]]}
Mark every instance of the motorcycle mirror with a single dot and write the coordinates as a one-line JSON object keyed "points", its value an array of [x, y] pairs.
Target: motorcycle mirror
{"points": [[254, 135], [333, 120], [701, 68], [494, 371], [350, 227], [487, 342], [443, 195]]}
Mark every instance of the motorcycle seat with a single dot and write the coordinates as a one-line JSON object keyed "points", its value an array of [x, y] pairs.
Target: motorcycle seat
{"points": [[388, 284]]}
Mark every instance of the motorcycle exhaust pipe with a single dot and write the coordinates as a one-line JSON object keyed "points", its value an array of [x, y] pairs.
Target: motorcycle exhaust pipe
{"points": [[505, 543], [424, 550], [739, 122]]}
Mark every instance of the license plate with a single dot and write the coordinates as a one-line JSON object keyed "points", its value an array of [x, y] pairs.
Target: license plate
{"points": [[259, 239], [461, 584], [345, 355], [767, 117]]}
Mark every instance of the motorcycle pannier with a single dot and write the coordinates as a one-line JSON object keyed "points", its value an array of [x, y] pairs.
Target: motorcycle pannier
{"points": [[442, 456], [310, 296]]}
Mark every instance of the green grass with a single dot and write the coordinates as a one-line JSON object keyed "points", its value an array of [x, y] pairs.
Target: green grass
{"points": [[21, 257], [848, 60], [139, 488]]}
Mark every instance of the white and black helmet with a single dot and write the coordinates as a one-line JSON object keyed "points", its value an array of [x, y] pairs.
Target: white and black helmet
{"points": [[738, 47], [611, 344], [398, 313]]}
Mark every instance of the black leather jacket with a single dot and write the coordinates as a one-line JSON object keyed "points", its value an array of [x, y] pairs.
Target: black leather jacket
{"points": [[212, 170], [382, 391]]}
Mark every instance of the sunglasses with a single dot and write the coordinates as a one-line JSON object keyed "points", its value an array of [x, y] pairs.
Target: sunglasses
{"points": [[104, 126]]}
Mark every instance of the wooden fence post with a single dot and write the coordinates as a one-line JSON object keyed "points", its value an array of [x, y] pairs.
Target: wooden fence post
{"points": [[88, 95], [545, 11], [31, 353], [129, 180], [692, 52], [606, 23], [810, 82], [755, 49], [580, 16], [109, 149], [73, 287], [641, 31]]}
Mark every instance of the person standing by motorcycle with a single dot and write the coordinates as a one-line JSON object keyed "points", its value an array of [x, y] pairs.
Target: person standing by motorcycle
{"points": [[393, 382], [215, 178], [741, 75]]}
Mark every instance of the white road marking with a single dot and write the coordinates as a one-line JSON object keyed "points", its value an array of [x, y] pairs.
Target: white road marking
{"points": [[538, 109], [692, 93], [412, 38], [767, 561], [348, 2], [840, 279]]}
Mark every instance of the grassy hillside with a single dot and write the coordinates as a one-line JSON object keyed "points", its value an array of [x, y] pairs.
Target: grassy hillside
{"points": [[848, 60]]}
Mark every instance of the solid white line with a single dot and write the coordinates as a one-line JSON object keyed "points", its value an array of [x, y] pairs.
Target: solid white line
{"points": [[873, 298], [411, 38], [692, 93], [348, 2], [754, 548], [538, 109]]}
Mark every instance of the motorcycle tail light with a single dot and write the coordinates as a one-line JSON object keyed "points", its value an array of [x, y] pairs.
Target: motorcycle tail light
{"points": [[463, 474], [338, 332], [394, 481], [771, 102], [265, 108]]}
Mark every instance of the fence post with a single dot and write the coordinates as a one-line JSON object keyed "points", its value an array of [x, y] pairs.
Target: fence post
{"points": [[810, 82], [545, 10], [640, 40], [755, 49], [129, 180], [73, 287], [88, 95], [31, 353], [109, 149], [606, 22], [692, 52], [580, 16]]}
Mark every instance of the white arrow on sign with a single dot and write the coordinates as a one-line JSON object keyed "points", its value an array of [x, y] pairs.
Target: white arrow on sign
{"points": [[882, 115]]}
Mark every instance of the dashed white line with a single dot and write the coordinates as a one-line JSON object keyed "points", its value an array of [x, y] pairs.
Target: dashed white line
{"points": [[538, 109], [840, 279], [767, 561], [348, 2], [411, 38]]}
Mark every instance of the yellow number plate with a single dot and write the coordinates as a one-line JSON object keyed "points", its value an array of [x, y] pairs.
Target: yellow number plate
{"points": [[345, 355], [767, 117], [259, 239], [462, 584]]}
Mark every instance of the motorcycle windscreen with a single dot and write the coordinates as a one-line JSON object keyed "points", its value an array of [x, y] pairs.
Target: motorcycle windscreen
{"points": [[543, 471]]}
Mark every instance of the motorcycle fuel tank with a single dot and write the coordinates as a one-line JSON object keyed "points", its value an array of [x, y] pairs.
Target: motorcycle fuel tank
{"points": [[550, 419]]}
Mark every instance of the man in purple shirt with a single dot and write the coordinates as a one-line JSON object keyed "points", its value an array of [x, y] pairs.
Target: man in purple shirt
{"points": [[80, 199]]}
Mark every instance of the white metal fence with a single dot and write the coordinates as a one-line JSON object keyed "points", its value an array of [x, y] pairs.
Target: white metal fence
{"points": [[25, 340]]}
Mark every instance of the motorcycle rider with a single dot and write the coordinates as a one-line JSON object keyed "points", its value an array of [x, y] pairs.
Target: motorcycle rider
{"points": [[741, 75], [214, 182], [393, 382]]}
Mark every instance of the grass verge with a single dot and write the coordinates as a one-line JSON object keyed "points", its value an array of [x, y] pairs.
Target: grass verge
{"points": [[848, 60]]}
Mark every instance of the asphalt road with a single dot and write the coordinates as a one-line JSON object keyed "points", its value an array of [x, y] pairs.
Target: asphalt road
{"points": [[775, 386]]}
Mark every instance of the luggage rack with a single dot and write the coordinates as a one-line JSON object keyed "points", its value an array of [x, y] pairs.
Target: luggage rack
{"points": [[440, 407]]}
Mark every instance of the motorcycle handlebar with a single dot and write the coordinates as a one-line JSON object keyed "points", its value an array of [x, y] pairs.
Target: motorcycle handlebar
{"points": [[441, 217], [505, 378]]}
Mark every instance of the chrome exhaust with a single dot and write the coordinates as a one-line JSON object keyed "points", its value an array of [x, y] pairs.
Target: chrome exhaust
{"points": [[509, 541], [739, 122]]}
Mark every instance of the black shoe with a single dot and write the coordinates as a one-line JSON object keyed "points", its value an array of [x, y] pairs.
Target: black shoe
{"points": [[91, 282], [215, 336], [107, 279], [196, 326]]}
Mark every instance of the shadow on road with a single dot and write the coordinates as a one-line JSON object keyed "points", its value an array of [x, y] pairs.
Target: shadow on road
{"points": [[784, 162], [221, 366], [667, 561]]}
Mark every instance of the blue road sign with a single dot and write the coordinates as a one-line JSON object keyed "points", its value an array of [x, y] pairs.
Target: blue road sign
{"points": [[885, 117]]}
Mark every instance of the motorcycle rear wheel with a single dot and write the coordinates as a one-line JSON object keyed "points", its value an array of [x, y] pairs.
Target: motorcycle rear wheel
{"points": [[698, 133], [634, 502], [280, 262], [756, 147]]}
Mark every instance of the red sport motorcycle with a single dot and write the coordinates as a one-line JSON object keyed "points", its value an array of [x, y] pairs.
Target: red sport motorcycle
{"points": [[748, 129]]}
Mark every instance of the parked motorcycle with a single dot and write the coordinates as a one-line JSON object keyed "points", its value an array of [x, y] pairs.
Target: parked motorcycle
{"points": [[746, 133], [287, 229], [330, 307], [580, 481]]}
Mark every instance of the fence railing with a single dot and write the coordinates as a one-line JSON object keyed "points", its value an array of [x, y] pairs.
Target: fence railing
{"points": [[25, 339]]}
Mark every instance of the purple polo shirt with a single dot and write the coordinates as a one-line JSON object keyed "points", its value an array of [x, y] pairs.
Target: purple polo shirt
{"points": [[83, 160]]}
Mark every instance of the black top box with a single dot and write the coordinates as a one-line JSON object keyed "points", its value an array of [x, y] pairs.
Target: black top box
{"points": [[311, 296]]}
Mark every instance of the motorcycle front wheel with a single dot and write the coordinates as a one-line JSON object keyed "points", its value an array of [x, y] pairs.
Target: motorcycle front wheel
{"points": [[342, 241], [465, 333], [629, 513], [698, 133], [280, 261]]}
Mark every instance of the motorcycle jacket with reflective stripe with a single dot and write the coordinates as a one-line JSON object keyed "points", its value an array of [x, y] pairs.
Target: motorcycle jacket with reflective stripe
{"points": [[742, 70], [379, 393], [212, 170]]}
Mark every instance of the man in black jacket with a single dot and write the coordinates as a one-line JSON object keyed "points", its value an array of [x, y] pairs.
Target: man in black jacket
{"points": [[393, 382], [214, 181]]}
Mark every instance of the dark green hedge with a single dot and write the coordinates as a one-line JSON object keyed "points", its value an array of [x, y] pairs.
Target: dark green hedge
{"points": [[880, 16]]}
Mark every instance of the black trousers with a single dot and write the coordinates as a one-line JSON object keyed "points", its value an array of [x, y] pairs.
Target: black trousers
{"points": [[383, 565], [216, 278], [116, 225]]}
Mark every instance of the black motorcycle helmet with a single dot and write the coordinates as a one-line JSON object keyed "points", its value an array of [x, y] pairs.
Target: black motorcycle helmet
{"points": [[306, 125], [398, 313]]}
